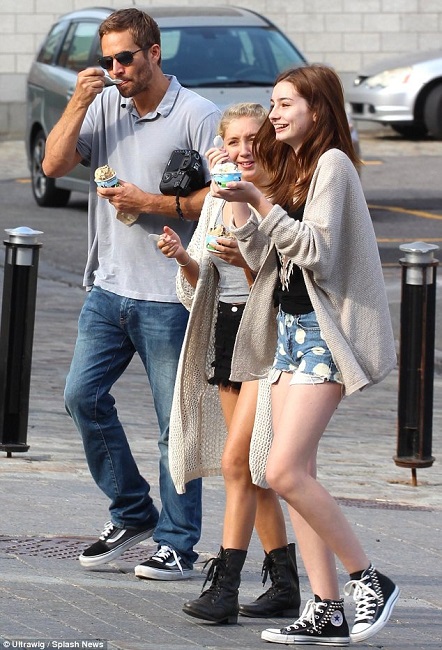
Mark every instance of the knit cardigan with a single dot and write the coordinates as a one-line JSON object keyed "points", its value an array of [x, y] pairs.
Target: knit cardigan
{"points": [[335, 246], [197, 430]]}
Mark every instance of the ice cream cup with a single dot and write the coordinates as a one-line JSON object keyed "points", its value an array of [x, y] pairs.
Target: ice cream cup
{"points": [[223, 179], [211, 240], [108, 182]]}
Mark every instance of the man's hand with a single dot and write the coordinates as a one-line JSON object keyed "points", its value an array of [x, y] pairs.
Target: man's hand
{"points": [[61, 153], [90, 83], [125, 197]]}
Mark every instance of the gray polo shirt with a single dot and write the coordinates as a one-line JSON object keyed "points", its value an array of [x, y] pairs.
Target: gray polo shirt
{"points": [[122, 259]]}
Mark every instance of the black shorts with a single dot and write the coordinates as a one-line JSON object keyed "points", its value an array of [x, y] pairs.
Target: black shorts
{"points": [[226, 328]]}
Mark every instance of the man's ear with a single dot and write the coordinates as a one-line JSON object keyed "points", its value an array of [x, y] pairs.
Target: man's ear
{"points": [[155, 51]]}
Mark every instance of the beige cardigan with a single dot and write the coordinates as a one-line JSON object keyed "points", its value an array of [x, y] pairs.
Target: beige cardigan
{"points": [[335, 245], [197, 428]]}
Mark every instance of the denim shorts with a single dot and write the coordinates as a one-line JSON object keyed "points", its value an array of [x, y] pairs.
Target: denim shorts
{"points": [[302, 351]]}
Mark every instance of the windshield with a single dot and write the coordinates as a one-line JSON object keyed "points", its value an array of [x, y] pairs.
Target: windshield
{"points": [[227, 56]]}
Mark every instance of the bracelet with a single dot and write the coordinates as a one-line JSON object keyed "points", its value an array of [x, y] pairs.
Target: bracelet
{"points": [[186, 264]]}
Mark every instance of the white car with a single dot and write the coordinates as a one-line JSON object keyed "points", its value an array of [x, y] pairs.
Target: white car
{"points": [[404, 93]]}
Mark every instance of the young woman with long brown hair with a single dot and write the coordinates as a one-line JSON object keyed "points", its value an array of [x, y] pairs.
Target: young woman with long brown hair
{"points": [[319, 299]]}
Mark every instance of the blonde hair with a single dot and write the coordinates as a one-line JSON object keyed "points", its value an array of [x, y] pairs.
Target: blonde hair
{"points": [[236, 111]]}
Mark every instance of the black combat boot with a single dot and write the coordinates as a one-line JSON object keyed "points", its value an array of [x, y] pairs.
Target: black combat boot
{"points": [[282, 599], [219, 603]]}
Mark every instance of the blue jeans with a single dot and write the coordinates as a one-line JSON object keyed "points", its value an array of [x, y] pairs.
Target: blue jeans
{"points": [[111, 329]]}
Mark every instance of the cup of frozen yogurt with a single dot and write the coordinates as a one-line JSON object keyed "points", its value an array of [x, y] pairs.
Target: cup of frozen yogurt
{"points": [[213, 234], [223, 173], [105, 176]]}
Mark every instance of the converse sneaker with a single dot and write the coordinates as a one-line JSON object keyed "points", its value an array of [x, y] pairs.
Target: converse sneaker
{"points": [[321, 623], [375, 596], [112, 542], [165, 564]]}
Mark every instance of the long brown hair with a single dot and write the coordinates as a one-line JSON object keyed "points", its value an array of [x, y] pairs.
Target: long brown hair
{"points": [[291, 173]]}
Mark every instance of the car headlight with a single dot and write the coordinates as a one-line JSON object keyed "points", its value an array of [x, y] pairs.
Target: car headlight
{"points": [[389, 78]]}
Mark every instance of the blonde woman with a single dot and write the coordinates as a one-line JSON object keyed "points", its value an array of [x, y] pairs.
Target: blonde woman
{"points": [[215, 287]]}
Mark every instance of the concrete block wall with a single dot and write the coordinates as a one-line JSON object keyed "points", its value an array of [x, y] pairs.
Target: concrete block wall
{"points": [[347, 34]]}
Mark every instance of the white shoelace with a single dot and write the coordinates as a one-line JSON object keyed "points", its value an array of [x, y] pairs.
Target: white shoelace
{"points": [[365, 598], [307, 617], [164, 552], [108, 529]]}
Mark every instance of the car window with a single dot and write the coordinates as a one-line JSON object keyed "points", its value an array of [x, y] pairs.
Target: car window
{"points": [[226, 55], [170, 40], [75, 54], [280, 51], [52, 44]]}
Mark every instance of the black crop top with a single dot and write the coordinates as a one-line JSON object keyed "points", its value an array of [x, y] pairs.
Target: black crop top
{"points": [[291, 292]]}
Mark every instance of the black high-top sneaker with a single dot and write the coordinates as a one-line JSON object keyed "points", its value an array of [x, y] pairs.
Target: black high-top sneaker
{"points": [[321, 623], [375, 596]]}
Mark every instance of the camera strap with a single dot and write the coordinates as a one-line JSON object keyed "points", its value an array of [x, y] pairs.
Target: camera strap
{"points": [[178, 207]]}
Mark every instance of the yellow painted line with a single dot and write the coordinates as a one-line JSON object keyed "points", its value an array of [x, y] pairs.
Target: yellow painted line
{"points": [[23, 180], [396, 240], [372, 162], [415, 213]]}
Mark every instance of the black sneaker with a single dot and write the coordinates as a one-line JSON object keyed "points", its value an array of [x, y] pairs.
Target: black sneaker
{"points": [[321, 623], [112, 542], [165, 564], [375, 596]]}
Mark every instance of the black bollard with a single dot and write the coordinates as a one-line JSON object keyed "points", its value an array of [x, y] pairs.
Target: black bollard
{"points": [[16, 336], [416, 357]]}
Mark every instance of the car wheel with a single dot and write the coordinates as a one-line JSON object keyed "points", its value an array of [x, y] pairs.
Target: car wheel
{"points": [[412, 130], [433, 112], [43, 188]]}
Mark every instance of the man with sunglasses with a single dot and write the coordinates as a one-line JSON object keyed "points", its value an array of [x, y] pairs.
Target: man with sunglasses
{"points": [[131, 304]]}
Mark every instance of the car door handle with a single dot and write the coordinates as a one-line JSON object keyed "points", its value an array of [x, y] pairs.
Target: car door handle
{"points": [[69, 93]]}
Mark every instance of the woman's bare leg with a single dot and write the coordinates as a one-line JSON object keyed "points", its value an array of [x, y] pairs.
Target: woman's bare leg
{"points": [[239, 516], [301, 414]]}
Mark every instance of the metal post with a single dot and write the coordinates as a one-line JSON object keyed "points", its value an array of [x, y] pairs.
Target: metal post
{"points": [[416, 357], [16, 336]]}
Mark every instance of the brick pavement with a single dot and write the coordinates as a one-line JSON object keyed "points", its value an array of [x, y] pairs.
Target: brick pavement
{"points": [[51, 509]]}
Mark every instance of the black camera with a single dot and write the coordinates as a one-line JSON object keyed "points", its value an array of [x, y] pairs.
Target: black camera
{"points": [[184, 173]]}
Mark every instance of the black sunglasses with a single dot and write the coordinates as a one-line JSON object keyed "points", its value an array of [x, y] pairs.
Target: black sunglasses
{"points": [[123, 58]]}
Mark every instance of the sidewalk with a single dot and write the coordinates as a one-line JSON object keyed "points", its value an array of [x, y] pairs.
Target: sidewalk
{"points": [[51, 510]]}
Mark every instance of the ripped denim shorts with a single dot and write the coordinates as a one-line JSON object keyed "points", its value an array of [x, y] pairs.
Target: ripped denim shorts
{"points": [[302, 351]]}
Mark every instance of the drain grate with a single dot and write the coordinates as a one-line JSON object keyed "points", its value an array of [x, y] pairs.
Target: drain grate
{"points": [[381, 505], [61, 548]]}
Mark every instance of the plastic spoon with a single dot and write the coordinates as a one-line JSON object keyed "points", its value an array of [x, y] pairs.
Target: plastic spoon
{"points": [[111, 82], [155, 237]]}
